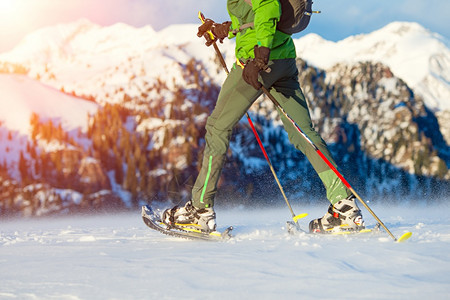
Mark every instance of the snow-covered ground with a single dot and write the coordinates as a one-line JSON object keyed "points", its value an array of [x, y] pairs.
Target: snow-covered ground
{"points": [[118, 257]]}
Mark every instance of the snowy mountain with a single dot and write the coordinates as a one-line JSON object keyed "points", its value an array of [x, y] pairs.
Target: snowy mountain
{"points": [[420, 57], [24, 96], [80, 52], [118, 113], [88, 59]]}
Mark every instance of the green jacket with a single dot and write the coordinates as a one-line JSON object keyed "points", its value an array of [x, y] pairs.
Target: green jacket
{"points": [[264, 14]]}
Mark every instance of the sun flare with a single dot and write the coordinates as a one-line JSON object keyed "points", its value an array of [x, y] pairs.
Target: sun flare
{"points": [[15, 13], [6, 5]]}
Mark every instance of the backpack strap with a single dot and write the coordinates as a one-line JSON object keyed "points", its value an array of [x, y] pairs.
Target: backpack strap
{"points": [[307, 12], [243, 27]]}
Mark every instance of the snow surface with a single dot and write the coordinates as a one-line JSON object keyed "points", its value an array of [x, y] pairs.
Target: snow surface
{"points": [[118, 257]]}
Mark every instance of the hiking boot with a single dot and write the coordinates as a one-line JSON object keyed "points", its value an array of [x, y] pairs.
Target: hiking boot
{"points": [[189, 216], [343, 216]]}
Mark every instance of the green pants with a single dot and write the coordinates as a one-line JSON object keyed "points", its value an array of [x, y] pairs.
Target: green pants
{"points": [[235, 98]]}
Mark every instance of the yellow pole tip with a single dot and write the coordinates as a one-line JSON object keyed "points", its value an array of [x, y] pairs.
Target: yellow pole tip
{"points": [[404, 237], [300, 216]]}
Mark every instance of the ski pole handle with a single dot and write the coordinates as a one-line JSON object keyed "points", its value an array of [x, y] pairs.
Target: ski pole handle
{"points": [[216, 48], [202, 18]]}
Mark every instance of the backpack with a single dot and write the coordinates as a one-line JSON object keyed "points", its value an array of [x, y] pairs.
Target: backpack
{"points": [[295, 16]]}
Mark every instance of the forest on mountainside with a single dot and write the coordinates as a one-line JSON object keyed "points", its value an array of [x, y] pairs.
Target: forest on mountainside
{"points": [[384, 139]]}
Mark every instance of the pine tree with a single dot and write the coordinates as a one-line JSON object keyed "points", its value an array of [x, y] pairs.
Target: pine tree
{"points": [[442, 169], [23, 168], [130, 179]]}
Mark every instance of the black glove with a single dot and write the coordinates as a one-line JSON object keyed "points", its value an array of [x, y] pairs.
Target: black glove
{"points": [[219, 31], [256, 65]]}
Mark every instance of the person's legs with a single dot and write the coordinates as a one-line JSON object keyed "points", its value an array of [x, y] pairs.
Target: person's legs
{"points": [[235, 98], [343, 213], [288, 93]]}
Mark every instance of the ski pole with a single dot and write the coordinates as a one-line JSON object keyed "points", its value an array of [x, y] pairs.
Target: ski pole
{"points": [[404, 237], [224, 65]]}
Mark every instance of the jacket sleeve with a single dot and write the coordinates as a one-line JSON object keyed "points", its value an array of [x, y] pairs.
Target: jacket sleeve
{"points": [[267, 15], [234, 25]]}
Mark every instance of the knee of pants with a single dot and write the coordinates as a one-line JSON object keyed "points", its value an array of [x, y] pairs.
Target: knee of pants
{"points": [[298, 142], [217, 141]]}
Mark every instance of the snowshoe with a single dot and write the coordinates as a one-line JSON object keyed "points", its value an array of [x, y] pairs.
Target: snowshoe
{"points": [[153, 220]]}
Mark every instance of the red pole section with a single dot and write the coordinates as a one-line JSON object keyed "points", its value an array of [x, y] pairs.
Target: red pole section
{"points": [[257, 138]]}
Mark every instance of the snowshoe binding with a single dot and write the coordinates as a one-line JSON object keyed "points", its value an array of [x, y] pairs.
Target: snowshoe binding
{"points": [[190, 217], [344, 216]]}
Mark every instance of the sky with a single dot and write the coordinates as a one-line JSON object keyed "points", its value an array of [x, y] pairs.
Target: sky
{"points": [[338, 20]]}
